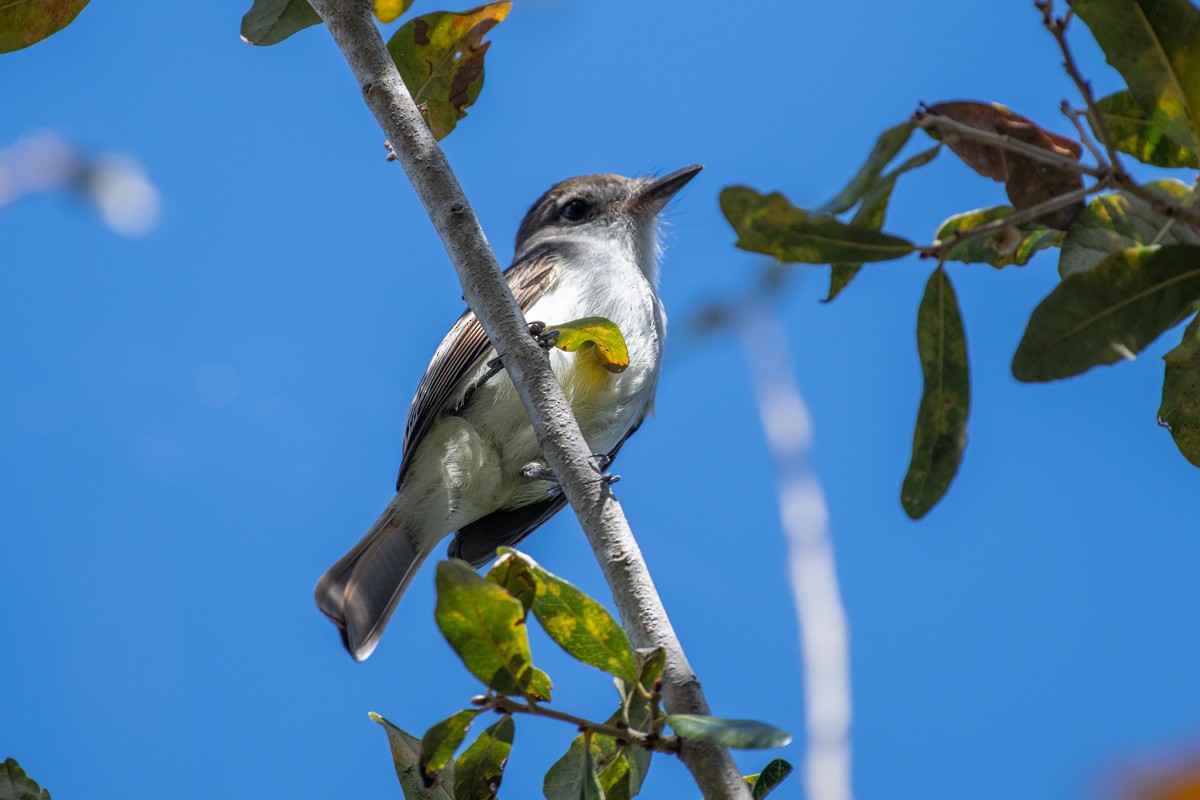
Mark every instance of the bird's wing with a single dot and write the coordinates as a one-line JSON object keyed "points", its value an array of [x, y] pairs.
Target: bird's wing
{"points": [[464, 349], [478, 541]]}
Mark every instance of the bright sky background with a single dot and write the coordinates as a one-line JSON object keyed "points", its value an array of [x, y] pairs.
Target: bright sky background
{"points": [[194, 425]]}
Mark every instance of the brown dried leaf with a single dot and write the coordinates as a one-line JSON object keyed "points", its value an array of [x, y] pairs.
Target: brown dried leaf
{"points": [[1026, 180]]}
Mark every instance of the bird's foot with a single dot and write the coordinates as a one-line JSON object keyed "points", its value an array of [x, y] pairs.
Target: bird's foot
{"points": [[545, 338], [540, 471]]}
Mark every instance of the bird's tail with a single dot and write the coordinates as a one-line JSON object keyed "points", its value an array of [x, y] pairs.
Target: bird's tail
{"points": [[360, 592]]}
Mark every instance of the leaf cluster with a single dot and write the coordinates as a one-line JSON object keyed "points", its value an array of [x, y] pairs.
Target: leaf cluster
{"points": [[485, 621], [1129, 259], [439, 55]]}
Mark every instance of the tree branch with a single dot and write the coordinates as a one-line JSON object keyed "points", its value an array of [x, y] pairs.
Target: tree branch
{"points": [[1058, 29], [824, 637], [486, 292]]}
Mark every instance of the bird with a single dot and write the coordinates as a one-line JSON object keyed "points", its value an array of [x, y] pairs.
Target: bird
{"points": [[589, 247]]}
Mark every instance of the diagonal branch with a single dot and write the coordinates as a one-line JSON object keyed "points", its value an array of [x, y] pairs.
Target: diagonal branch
{"points": [[487, 293]]}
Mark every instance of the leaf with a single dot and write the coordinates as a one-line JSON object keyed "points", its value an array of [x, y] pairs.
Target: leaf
{"points": [[1180, 409], [1133, 132], [744, 734], [592, 790], [941, 429], [480, 768], [390, 10], [772, 775], [1110, 312], [618, 771], [889, 143], [600, 335], [272, 21], [440, 742], [651, 662], [26, 22], [1114, 222], [1153, 44], [1027, 182], [511, 572], [870, 216], [582, 627], [16, 785], [1011, 245], [576, 622], [771, 225], [440, 58], [486, 627], [406, 755]]}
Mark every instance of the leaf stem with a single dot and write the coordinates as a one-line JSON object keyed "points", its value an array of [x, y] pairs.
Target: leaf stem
{"points": [[648, 740]]}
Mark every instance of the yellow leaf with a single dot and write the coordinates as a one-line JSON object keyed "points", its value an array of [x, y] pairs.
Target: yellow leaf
{"points": [[390, 10], [600, 335]]}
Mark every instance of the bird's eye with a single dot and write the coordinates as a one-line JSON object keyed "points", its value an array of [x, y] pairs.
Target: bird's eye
{"points": [[575, 210]]}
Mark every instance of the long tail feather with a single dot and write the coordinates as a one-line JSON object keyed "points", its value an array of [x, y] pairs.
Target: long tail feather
{"points": [[360, 592]]}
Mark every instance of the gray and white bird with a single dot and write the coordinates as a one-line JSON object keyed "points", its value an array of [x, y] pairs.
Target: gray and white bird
{"points": [[589, 247]]}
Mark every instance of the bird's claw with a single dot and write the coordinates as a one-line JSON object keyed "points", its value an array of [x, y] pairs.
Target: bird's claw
{"points": [[537, 471], [545, 338]]}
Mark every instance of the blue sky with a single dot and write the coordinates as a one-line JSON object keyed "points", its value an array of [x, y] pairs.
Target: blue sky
{"points": [[195, 424]]}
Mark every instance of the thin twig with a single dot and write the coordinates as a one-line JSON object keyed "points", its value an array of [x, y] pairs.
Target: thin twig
{"points": [[642, 613], [928, 119], [940, 249], [1074, 115], [1058, 29], [646, 739], [1165, 206]]}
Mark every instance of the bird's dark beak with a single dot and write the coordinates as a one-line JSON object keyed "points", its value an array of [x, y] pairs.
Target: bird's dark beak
{"points": [[654, 195]]}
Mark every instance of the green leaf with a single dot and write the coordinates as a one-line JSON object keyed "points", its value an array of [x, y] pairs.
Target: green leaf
{"points": [[651, 662], [1114, 222], [889, 143], [1133, 132], [272, 21], [486, 627], [1180, 409], [744, 734], [582, 627], [870, 216], [596, 334], [406, 755], [771, 225], [602, 766], [1011, 245], [440, 58], [440, 742], [480, 768], [941, 429], [26, 22], [1110, 312], [772, 775], [390, 10], [511, 571], [1153, 44], [16, 785], [592, 790]]}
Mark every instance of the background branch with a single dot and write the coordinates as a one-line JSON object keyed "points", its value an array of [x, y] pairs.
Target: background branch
{"points": [[484, 288], [823, 635]]}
